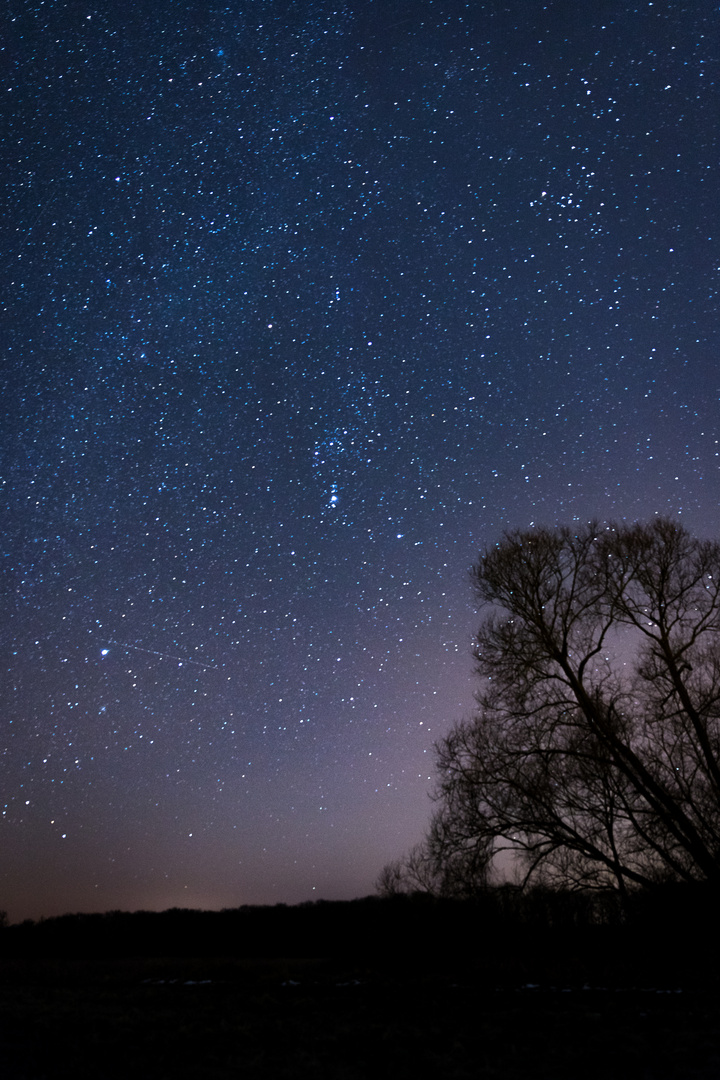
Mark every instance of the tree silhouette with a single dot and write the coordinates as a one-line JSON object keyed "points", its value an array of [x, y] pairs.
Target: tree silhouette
{"points": [[594, 756]]}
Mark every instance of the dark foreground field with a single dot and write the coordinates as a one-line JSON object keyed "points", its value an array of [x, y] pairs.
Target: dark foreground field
{"points": [[274, 1019], [549, 1001]]}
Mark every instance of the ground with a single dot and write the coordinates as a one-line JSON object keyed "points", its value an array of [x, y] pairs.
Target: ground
{"points": [[214, 1018]]}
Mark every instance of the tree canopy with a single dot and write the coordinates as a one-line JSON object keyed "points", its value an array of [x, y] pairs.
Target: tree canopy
{"points": [[593, 759]]}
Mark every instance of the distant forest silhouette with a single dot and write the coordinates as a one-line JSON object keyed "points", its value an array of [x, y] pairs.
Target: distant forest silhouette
{"points": [[504, 932]]}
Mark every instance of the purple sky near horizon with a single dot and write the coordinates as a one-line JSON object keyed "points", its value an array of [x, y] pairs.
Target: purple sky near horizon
{"points": [[303, 305]]}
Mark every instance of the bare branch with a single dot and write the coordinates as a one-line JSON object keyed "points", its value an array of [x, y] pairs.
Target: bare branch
{"points": [[594, 757]]}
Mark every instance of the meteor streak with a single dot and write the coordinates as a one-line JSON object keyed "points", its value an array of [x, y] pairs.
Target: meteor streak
{"points": [[162, 655]]}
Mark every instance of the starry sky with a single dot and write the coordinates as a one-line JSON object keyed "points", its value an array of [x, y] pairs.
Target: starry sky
{"points": [[302, 305]]}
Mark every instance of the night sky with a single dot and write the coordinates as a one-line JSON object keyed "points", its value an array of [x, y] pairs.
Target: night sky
{"points": [[303, 304]]}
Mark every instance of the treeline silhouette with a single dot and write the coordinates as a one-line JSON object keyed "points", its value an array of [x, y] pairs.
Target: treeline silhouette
{"points": [[505, 932]]}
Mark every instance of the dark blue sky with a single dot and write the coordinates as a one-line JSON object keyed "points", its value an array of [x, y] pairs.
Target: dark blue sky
{"points": [[303, 304]]}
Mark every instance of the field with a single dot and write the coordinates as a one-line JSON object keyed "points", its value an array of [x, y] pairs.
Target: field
{"points": [[275, 1019], [543, 1005]]}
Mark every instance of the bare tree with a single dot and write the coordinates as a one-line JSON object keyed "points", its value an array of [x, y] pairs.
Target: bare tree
{"points": [[594, 755]]}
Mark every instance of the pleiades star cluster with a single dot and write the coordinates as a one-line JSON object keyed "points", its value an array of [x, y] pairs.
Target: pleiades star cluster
{"points": [[303, 304]]}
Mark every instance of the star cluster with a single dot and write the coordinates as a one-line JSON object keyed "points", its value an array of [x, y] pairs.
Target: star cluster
{"points": [[303, 305]]}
